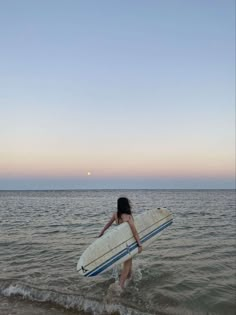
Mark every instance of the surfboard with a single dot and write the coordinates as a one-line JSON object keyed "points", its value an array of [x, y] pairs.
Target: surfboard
{"points": [[118, 244]]}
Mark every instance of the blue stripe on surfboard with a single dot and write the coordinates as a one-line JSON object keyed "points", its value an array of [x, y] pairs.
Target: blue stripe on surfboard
{"points": [[124, 252]]}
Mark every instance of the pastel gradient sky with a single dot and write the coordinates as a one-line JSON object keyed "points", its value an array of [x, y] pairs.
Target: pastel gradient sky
{"points": [[117, 94]]}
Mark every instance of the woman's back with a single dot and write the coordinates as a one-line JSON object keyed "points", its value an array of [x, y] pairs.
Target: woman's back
{"points": [[123, 218]]}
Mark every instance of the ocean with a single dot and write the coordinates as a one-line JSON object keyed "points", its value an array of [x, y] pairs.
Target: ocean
{"points": [[190, 269]]}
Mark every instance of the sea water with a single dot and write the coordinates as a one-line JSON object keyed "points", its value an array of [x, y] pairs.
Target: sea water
{"points": [[190, 269]]}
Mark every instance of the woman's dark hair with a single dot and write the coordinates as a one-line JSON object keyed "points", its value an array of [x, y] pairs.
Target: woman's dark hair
{"points": [[123, 206]]}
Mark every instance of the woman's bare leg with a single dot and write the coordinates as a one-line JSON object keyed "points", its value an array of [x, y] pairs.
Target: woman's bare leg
{"points": [[130, 270], [126, 272]]}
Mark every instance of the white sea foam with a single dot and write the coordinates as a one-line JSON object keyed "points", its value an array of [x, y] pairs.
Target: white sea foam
{"points": [[111, 304]]}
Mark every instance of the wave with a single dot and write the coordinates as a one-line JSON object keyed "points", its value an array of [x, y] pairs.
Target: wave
{"points": [[87, 305]]}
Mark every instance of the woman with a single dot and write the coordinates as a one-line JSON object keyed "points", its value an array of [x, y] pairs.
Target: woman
{"points": [[122, 215]]}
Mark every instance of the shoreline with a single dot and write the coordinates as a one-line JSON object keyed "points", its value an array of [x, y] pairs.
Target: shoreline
{"points": [[19, 306]]}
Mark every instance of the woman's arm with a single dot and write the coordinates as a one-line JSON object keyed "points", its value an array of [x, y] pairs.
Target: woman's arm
{"points": [[107, 225], [135, 234]]}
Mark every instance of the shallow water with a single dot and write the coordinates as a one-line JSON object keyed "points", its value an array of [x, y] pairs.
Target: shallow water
{"points": [[191, 269]]}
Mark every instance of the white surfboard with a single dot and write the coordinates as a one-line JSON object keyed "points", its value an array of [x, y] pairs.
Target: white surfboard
{"points": [[118, 244]]}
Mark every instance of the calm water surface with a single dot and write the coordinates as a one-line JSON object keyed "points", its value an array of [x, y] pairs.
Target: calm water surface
{"points": [[191, 269]]}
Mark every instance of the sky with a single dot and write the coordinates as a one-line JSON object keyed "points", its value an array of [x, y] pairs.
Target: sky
{"points": [[117, 94]]}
